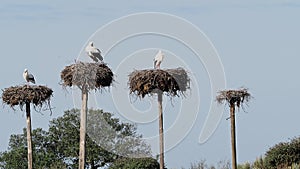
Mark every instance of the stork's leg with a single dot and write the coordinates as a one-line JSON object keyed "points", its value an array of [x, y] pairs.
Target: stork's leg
{"points": [[158, 65]]}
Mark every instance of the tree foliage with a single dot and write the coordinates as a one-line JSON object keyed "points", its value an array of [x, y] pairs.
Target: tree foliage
{"points": [[59, 146], [43, 156], [283, 154], [259, 163], [199, 165], [247, 165], [202, 164], [135, 163]]}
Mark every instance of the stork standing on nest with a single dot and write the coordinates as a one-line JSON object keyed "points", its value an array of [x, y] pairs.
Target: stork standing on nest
{"points": [[158, 59], [93, 52], [28, 77]]}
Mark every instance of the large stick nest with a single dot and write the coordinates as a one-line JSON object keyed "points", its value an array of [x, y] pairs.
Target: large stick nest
{"points": [[20, 95], [234, 97], [171, 81], [87, 75]]}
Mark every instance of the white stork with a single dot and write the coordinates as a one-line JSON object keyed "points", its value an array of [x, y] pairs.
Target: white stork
{"points": [[93, 52], [28, 77], [158, 59]]}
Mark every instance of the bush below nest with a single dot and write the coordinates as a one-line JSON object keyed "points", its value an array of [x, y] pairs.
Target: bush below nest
{"points": [[134, 163]]}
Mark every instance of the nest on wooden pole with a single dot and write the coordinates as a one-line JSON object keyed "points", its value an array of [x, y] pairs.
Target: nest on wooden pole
{"points": [[149, 81], [87, 75], [20, 95], [234, 97]]}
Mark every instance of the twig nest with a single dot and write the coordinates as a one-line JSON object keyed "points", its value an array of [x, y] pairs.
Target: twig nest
{"points": [[88, 75], [149, 81], [20, 95], [234, 96]]}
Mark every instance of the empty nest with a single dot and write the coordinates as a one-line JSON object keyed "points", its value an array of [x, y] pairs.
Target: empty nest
{"points": [[20, 95], [149, 81], [234, 96], [87, 75]]}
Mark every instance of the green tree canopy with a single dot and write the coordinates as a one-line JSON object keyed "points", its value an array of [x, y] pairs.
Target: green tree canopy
{"points": [[284, 154], [59, 146], [43, 156]]}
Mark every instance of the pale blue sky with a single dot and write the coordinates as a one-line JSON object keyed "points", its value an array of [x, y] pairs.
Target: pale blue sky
{"points": [[258, 44]]}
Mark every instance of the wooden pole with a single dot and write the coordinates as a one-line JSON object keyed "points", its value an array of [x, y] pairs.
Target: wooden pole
{"points": [[161, 131], [29, 140], [233, 137], [83, 128]]}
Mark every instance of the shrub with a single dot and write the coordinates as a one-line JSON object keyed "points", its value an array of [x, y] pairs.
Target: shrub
{"points": [[135, 163]]}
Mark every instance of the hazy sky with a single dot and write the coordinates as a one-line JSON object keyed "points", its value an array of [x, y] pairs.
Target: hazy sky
{"points": [[258, 44]]}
